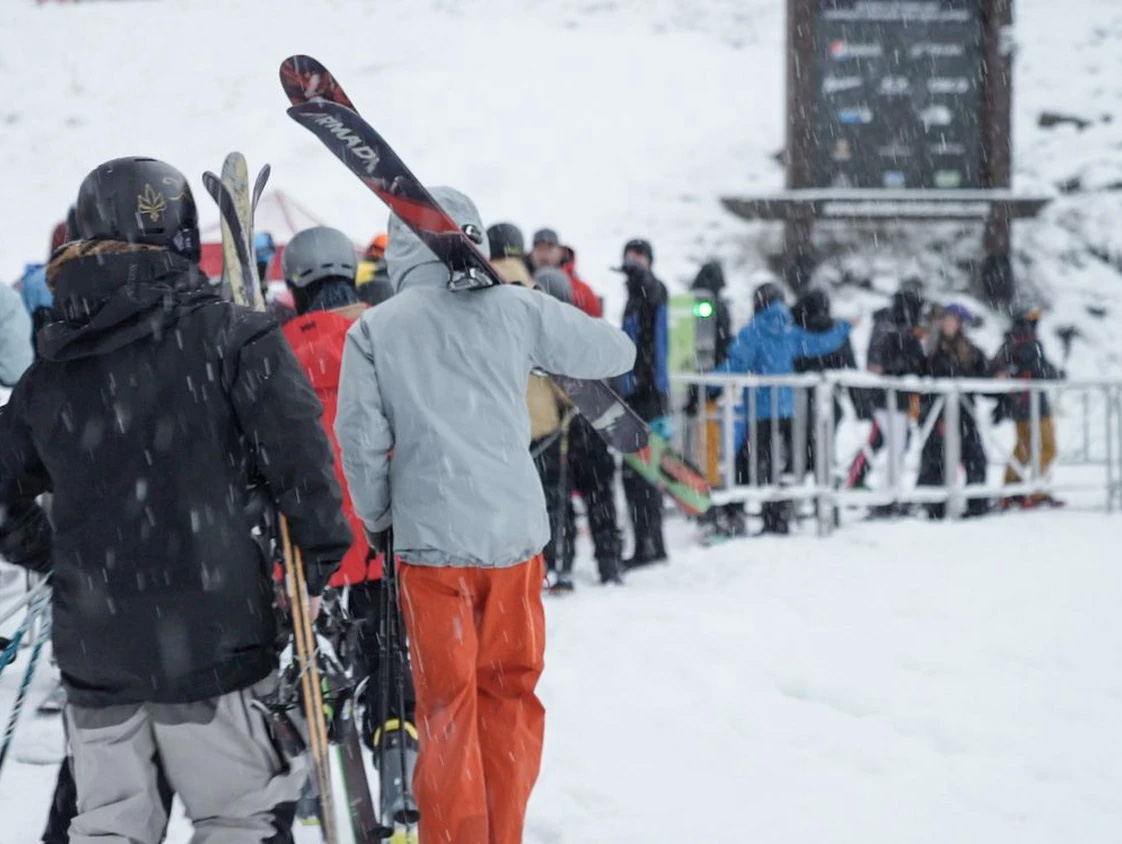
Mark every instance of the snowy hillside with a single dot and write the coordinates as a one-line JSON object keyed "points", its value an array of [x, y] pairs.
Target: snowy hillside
{"points": [[604, 120]]}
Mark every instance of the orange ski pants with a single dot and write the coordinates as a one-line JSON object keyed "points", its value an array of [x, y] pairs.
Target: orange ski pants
{"points": [[477, 640]]}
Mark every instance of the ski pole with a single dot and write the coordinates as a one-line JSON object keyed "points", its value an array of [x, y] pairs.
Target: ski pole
{"points": [[409, 814], [25, 684], [12, 648], [25, 599]]}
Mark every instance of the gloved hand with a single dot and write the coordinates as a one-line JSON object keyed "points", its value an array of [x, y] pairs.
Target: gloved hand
{"points": [[691, 406], [662, 427], [999, 412], [377, 540]]}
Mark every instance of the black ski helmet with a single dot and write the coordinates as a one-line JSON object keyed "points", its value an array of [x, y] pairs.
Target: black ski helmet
{"points": [[506, 241], [767, 294], [139, 200]]}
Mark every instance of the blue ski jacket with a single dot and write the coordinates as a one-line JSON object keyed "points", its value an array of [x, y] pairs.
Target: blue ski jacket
{"points": [[769, 345]]}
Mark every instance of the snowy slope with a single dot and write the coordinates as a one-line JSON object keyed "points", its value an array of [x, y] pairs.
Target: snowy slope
{"points": [[899, 684]]}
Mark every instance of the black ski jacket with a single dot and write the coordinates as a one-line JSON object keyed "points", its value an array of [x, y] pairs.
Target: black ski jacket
{"points": [[154, 410], [647, 386]]}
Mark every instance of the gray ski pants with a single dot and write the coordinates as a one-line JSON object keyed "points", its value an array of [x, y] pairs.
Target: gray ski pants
{"points": [[219, 759]]}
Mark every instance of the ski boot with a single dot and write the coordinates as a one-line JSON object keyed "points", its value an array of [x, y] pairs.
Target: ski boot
{"points": [[54, 702], [561, 585], [307, 805], [395, 754]]}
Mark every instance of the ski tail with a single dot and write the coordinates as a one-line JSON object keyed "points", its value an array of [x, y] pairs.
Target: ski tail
{"points": [[304, 79], [366, 154], [259, 185], [227, 209]]}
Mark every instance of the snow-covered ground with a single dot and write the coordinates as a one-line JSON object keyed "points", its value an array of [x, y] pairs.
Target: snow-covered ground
{"points": [[897, 684], [901, 682]]}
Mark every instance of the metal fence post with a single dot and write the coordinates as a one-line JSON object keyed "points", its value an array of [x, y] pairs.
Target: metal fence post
{"points": [[1087, 426], [801, 435], [890, 415], [1034, 429], [952, 451], [823, 423], [728, 435], [753, 440]]}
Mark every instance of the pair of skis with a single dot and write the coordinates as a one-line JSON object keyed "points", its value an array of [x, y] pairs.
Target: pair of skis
{"points": [[236, 204], [236, 207], [320, 105]]}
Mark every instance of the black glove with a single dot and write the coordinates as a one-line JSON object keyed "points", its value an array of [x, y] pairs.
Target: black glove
{"points": [[692, 402], [999, 411], [378, 541]]}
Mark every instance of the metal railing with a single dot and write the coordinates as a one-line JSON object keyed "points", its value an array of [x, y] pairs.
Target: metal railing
{"points": [[805, 434]]}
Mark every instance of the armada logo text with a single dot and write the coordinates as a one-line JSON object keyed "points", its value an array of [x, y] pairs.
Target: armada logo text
{"points": [[357, 146]]}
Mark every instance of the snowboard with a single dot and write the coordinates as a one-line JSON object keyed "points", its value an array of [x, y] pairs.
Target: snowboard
{"points": [[320, 105]]}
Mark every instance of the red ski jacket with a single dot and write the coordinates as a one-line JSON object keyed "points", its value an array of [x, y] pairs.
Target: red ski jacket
{"points": [[583, 295], [317, 338]]}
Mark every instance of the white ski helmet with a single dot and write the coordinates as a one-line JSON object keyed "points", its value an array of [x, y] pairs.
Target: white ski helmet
{"points": [[316, 253]]}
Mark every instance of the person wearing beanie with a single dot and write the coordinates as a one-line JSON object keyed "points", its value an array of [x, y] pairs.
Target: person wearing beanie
{"points": [[954, 356], [507, 253], [769, 345], [647, 390], [161, 418], [438, 378], [372, 280], [896, 349], [1022, 356], [548, 251]]}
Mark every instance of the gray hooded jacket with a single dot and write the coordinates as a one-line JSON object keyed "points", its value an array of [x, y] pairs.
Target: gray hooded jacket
{"points": [[439, 379]]}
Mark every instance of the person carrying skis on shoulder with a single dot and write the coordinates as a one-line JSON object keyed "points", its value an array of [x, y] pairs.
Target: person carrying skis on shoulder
{"points": [[319, 266], [439, 378], [1022, 356], [160, 418]]}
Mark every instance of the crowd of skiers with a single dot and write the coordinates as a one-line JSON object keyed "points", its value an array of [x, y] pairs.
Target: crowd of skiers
{"points": [[910, 337], [376, 410]]}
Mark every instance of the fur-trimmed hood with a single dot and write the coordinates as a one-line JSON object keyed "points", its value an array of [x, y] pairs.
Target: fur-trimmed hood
{"points": [[108, 293]]}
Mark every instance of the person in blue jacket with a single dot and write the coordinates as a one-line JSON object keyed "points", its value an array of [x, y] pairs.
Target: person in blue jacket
{"points": [[769, 345]]}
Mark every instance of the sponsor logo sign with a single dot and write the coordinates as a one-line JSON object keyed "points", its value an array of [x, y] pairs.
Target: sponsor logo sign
{"points": [[948, 85], [836, 84], [948, 178], [936, 115], [855, 116], [894, 86], [841, 50], [894, 179]]}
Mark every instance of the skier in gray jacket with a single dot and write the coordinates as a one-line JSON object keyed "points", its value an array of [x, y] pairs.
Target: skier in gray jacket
{"points": [[438, 378]]}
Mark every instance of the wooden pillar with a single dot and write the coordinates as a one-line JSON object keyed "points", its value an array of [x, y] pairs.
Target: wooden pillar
{"points": [[997, 101], [801, 61]]}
